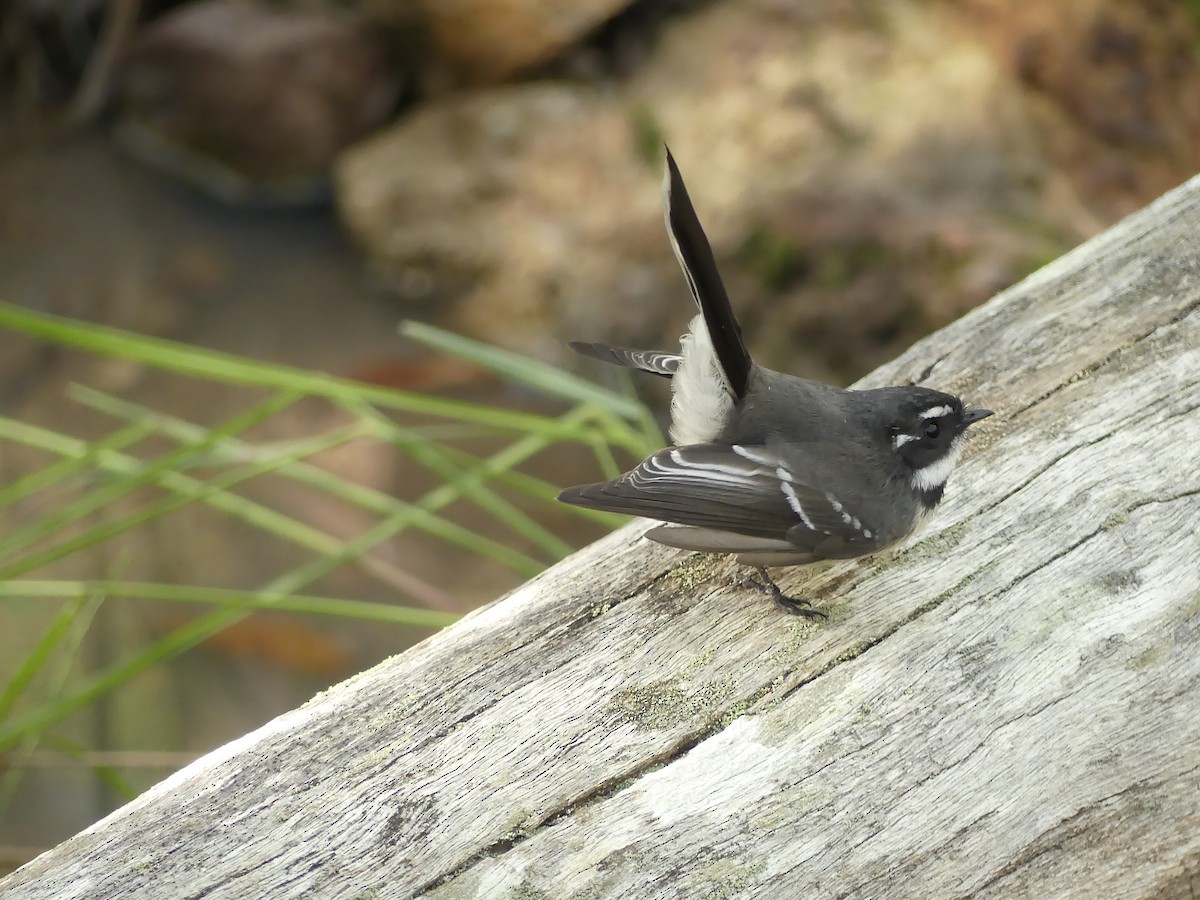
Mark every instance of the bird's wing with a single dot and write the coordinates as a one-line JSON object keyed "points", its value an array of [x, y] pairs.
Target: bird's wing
{"points": [[747, 490]]}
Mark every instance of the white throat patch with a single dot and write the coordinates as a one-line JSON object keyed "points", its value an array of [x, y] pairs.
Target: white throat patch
{"points": [[934, 475]]}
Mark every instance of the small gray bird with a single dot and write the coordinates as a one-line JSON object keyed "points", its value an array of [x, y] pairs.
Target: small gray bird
{"points": [[779, 470]]}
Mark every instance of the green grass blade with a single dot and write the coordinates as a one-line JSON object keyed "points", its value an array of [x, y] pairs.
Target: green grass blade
{"points": [[78, 621], [42, 650], [602, 417], [225, 367], [435, 458], [106, 495], [232, 599], [91, 688], [78, 459], [488, 500], [546, 378], [312, 476]]}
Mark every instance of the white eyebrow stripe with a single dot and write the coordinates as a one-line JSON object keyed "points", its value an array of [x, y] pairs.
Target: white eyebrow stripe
{"points": [[793, 501], [936, 412]]}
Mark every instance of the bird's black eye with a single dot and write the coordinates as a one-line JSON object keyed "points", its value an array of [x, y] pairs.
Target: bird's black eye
{"points": [[931, 429]]}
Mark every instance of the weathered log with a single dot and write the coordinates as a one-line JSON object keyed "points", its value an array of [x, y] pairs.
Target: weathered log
{"points": [[1008, 705]]}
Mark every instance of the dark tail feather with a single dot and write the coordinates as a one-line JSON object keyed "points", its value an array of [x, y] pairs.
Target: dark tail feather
{"points": [[700, 269], [654, 361]]}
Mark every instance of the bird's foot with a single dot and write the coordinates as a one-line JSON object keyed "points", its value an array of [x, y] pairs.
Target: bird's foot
{"points": [[792, 605]]}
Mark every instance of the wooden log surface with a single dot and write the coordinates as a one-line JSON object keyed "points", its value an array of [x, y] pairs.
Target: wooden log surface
{"points": [[1007, 705]]}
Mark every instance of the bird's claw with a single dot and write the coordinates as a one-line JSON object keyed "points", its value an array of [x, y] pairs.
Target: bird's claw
{"points": [[791, 605]]}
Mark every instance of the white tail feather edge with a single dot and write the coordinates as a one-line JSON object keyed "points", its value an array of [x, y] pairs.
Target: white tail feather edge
{"points": [[701, 401]]}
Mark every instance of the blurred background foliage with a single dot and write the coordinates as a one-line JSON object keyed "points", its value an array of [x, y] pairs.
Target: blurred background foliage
{"points": [[194, 540]]}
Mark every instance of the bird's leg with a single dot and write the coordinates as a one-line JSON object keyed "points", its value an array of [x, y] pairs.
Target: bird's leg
{"points": [[788, 604]]}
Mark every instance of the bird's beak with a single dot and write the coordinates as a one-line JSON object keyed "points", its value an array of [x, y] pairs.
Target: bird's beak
{"points": [[971, 416]]}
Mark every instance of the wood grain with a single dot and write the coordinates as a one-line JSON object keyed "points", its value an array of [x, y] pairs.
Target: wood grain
{"points": [[1008, 705]]}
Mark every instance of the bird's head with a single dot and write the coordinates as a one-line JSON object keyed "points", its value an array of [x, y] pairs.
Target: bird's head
{"points": [[925, 429]]}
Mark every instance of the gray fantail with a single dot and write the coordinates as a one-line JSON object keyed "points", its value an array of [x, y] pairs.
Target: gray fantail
{"points": [[779, 470]]}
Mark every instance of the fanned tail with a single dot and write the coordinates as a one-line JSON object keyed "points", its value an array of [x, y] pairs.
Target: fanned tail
{"points": [[700, 269], [656, 362]]}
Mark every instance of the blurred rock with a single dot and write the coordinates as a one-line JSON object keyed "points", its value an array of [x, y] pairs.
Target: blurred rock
{"points": [[620, 46], [486, 40], [251, 103], [867, 172], [528, 200], [1111, 88]]}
